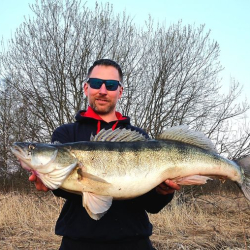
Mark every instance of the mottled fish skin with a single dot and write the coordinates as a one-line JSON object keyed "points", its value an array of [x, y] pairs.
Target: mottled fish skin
{"points": [[123, 164], [157, 161]]}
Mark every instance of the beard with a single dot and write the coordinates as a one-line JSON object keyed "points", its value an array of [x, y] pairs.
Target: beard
{"points": [[108, 108]]}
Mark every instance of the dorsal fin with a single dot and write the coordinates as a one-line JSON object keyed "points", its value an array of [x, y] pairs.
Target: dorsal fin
{"points": [[183, 134], [118, 135], [56, 143]]}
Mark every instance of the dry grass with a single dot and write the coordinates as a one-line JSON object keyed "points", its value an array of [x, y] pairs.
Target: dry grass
{"points": [[27, 221], [208, 222]]}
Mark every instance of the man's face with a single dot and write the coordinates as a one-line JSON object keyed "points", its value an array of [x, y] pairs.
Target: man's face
{"points": [[101, 100]]}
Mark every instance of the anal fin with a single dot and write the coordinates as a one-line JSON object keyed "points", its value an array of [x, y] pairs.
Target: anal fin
{"points": [[193, 180]]}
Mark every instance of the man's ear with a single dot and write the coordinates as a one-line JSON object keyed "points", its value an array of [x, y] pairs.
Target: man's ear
{"points": [[85, 88], [120, 92]]}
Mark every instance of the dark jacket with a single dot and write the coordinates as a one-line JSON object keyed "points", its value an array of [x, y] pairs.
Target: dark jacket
{"points": [[126, 219]]}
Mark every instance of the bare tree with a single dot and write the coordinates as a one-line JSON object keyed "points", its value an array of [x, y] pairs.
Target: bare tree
{"points": [[170, 74], [179, 84], [5, 130], [14, 126], [49, 56]]}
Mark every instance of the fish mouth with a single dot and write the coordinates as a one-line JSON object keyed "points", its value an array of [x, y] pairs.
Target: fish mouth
{"points": [[22, 156]]}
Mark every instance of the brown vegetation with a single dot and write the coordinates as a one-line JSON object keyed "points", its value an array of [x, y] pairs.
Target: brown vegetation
{"points": [[214, 221]]}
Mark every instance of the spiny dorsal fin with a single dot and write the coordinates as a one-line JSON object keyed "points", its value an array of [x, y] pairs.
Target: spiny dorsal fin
{"points": [[118, 135], [183, 134], [56, 143]]}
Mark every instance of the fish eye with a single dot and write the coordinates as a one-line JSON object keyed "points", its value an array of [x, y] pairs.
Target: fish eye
{"points": [[31, 147]]}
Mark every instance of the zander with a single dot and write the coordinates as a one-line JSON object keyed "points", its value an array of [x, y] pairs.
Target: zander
{"points": [[123, 164]]}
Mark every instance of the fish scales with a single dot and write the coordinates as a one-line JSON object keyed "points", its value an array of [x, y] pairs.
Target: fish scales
{"points": [[123, 158], [125, 165]]}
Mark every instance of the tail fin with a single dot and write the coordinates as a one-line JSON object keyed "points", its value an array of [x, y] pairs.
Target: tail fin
{"points": [[244, 163]]}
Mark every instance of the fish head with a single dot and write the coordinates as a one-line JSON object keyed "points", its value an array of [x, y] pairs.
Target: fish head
{"points": [[33, 156], [51, 163]]}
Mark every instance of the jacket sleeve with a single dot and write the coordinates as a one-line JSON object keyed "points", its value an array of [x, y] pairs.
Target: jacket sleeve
{"points": [[67, 195], [153, 202]]}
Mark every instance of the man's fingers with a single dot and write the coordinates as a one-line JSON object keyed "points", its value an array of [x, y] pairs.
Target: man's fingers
{"points": [[33, 177], [172, 185], [167, 187], [164, 191], [40, 186], [38, 183]]}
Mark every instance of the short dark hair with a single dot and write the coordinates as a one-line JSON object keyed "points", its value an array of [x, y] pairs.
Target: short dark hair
{"points": [[107, 62]]}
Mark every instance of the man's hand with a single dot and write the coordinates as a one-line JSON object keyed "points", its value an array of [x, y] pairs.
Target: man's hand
{"points": [[38, 183], [167, 187]]}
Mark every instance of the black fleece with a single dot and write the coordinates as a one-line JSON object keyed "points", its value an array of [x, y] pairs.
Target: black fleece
{"points": [[126, 219]]}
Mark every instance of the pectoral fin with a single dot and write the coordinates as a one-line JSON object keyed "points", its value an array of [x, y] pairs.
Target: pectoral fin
{"points": [[95, 200], [96, 205], [84, 175]]}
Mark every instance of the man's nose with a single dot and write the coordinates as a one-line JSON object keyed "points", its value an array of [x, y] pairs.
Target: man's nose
{"points": [[103, 89]]}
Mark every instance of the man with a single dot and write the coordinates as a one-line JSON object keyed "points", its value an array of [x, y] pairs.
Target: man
{"points": [[126, 224]]}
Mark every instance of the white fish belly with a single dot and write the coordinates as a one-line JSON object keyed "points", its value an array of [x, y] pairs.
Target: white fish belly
{"points": [[132, 186]]}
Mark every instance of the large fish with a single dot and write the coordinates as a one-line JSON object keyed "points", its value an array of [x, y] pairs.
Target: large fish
{"points": [[123, 164]]}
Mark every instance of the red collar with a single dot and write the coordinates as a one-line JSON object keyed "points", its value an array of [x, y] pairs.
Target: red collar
{"points": [[92, 114]]}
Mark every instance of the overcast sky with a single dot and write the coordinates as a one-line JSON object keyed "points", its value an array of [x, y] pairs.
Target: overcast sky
{"points": [[228, 20]]}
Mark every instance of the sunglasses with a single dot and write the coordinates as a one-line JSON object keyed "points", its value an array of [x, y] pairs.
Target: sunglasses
{"points": [[96, 83]]}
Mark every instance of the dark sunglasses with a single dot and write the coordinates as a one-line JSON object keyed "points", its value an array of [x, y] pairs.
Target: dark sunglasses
{"points": [[96, 83]]}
